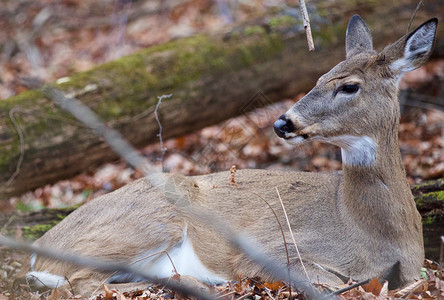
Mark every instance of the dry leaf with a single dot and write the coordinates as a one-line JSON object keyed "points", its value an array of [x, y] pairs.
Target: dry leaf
{"points": [[55, 294], [274, 286], [373, 287], [411, 288], [120, 296], [384, 291], [109, 294], [241, 286]]}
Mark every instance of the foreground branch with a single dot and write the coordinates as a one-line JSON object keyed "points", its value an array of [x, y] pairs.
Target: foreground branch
{"points": [[99, 265]]}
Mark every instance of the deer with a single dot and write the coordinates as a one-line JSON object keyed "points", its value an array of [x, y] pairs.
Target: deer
{"points": [[360, 222]]}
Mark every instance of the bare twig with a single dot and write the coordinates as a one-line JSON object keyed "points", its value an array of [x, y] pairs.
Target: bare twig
{"points": [[22, 146], [100, 265], [218, 294], [225, 295], [157, 253], [292, 235], [70, 285], [10, 219], [162, 149], [410, 288], [283, 238], [307, 27], [280, 227], [233, 170], [224, 10], [441, 254], [19, 131], [350, 287], [413, 15], [249, 294], [35, 278], [136, 261], [113, 138]]}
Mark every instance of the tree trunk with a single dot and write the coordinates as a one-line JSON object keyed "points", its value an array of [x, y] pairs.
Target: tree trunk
{"points": [[211, 78]]}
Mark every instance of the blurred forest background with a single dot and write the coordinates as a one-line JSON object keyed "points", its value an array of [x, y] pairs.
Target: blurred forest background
{"points": [[53, 39]]}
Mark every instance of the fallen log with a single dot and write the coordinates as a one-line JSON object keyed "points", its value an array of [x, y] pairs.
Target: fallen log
{"points": [[212, 78]]}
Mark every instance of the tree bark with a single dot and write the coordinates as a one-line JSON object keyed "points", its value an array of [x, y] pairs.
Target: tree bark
{"points": [[212, 78], [429, 198]]}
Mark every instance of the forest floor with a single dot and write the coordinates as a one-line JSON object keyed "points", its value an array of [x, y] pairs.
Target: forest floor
{"points": [[53, 39]]}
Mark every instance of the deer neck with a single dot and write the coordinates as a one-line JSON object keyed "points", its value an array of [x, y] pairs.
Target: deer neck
{"points": [[376, 192]]}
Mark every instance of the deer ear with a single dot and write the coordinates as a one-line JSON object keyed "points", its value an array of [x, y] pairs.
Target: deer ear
{"points": [[417, 48], [358, 37]]}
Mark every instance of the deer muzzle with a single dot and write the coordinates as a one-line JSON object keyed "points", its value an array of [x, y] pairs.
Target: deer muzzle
{"points": [[284, 127]]}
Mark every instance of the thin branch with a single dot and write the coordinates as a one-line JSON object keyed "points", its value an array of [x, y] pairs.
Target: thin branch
{"points": [[227, 294], [350, 287], [292, 235], [280, 227], [408, 98], [7, 223], [441, 254], [21, 137], [307, 27], [249, 294], [35, 278], [70, 285], [136, 261], [410, 288], [162, 149], [22, 146], [112, 137], [100, 265], [413, 15], [157, 253]]}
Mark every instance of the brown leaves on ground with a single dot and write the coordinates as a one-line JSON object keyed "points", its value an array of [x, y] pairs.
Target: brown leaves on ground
{"points": [[431, 287], [373, 287]]}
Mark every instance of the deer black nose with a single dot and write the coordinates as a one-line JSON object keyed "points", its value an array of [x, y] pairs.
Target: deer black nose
{"points": [[282, 126]]}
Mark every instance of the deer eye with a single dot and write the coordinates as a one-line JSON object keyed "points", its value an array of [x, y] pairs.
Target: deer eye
{"points": [[348, 89]]}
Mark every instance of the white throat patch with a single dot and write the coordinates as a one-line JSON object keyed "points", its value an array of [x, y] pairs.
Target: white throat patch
{"points": [[357, 151]]}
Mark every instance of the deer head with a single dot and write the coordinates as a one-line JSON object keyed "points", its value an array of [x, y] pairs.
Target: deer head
{"points": [[355, 105]]}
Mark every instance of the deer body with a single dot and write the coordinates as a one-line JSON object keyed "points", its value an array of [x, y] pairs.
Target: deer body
{"points": [[358, 223]]}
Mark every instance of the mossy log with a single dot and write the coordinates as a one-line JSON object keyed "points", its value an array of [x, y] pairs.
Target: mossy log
{"points": [[429, 198], [212, 78], [33, 225]]}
